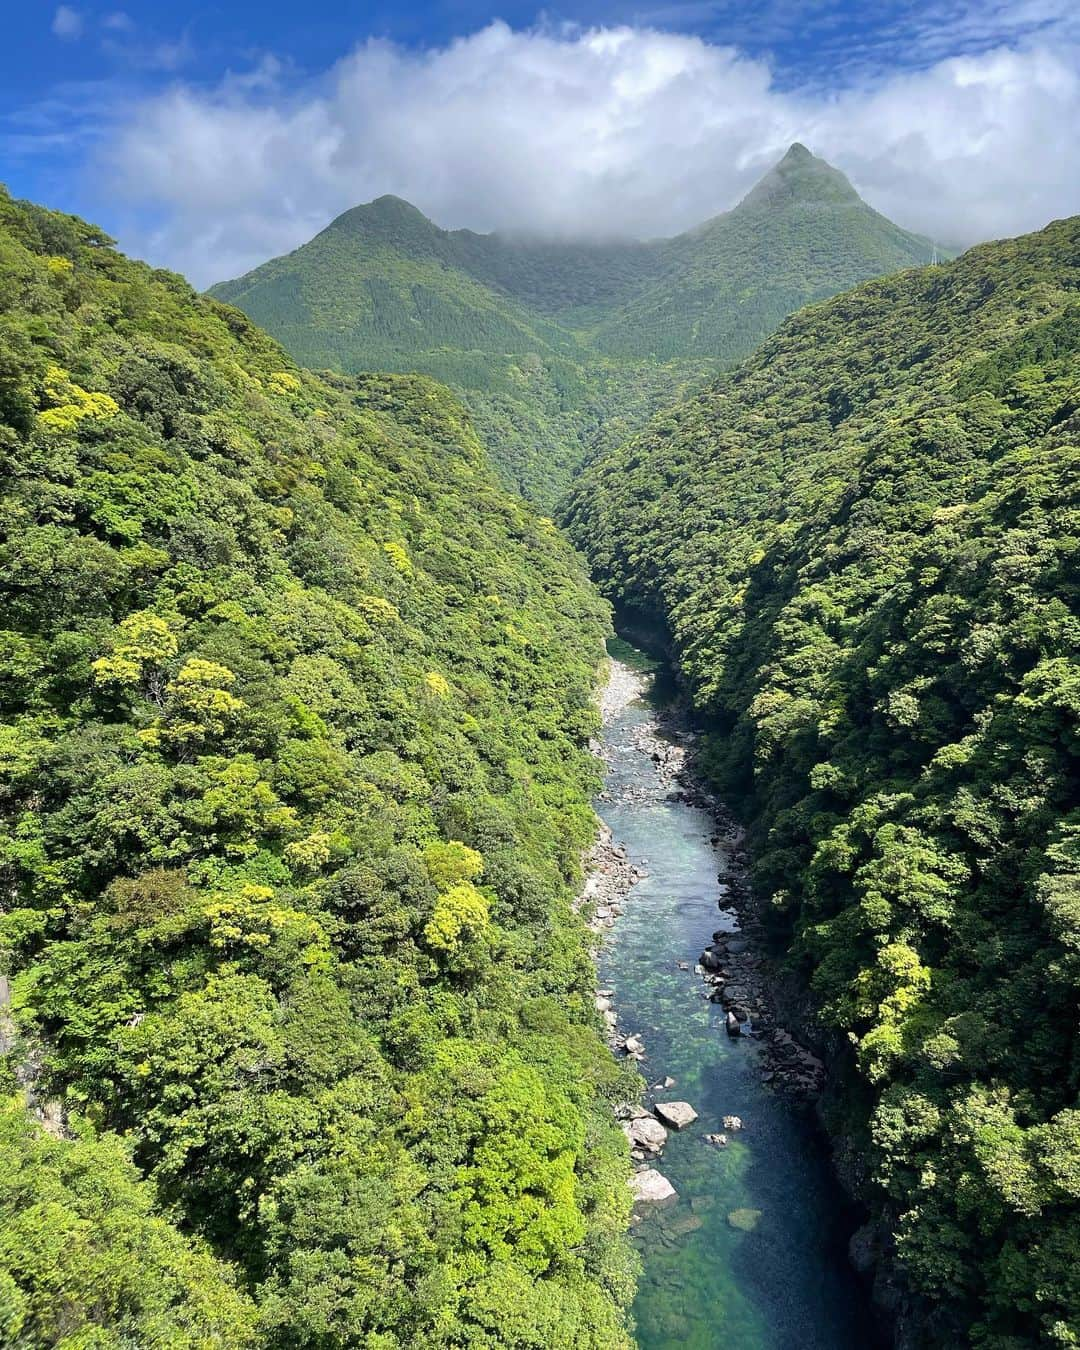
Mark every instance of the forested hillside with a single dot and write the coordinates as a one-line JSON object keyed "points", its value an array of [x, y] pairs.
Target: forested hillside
{"points": [[803, 233], [382, 288], [293, 791], [561, 350], [864, 545]]}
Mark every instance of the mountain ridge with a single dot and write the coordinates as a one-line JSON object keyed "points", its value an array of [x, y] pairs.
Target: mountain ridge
{"points": [[558, 347]]}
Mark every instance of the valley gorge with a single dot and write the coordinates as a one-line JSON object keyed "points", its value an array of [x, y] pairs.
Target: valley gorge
{"points": [[561, 351], [315, 1033], [750, 1248]]}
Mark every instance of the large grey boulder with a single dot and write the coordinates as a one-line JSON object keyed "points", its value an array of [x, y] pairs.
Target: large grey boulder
{"points": [[676, 1114], [645, 1133], [650, 1187]]}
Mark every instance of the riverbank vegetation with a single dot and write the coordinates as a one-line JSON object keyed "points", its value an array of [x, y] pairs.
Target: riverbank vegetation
{"points": [[864, 546], [294, 785]]}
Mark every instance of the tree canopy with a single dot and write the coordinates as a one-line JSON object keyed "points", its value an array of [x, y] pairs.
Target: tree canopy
{"points": [[294, 785], [862, 547]]}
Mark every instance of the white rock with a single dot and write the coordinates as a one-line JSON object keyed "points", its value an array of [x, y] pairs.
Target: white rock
{"points": [[650, 1187], [634, 1045], [676, 1114]]}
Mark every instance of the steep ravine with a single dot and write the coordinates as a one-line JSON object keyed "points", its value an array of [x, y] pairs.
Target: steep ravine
{"points": [[751, 1253]]}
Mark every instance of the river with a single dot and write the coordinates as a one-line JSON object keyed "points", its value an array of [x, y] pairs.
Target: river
{"points": [[751, 1257]]}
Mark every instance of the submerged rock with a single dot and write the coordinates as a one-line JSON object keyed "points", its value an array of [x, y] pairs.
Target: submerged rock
{"points": [[745, 1220], [689, 1223]]}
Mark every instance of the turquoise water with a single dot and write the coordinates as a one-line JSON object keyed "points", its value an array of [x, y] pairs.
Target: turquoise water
{"points": [[708, 1284]]}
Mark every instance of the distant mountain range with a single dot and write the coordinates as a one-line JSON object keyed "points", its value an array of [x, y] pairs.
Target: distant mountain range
{"points": [[560, 349]]}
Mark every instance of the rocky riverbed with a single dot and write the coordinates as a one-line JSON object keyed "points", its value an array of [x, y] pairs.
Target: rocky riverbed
{"points": [[736, 1209], [732, 967]]}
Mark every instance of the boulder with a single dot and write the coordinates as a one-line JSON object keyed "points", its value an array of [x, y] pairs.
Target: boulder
{"points": [[676, 1114], [863, 1248], [733, 1123], [746, 1220], [650, 1187], [630, 1111], [645, 1133]]}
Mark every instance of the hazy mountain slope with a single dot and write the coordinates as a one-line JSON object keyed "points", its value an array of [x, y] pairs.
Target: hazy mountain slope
{"points": [[380, 282], [865, 545], [382, 288], [802, 234], [294, 703], [557, 348]]}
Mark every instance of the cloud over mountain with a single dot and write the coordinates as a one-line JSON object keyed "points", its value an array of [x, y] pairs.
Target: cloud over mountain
{"points": [[624, 131]]}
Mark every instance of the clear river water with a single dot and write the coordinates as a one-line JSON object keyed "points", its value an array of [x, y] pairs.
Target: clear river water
{"points": [[751, 1257]]}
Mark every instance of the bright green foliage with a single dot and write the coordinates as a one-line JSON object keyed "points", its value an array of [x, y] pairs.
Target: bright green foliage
{"points": [[561, 350], [863, 544], [84, 1261], [142, 640], [459, 923], [264, 736], [451, 863]]}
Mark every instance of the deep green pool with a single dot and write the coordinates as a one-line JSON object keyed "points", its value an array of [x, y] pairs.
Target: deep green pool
{"points": [[707, 1284]]}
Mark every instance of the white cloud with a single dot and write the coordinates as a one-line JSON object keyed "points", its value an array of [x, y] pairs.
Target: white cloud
{"points": [[568, 132], [67, 23]]}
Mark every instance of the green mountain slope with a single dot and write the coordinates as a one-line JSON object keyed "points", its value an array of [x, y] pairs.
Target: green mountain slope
{"points": [[382, 288], [293, 710], [864, 544], [560, 349], [802, 234]]}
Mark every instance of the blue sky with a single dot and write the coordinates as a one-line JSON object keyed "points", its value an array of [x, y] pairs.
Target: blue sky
{"points": [[204, 136]]}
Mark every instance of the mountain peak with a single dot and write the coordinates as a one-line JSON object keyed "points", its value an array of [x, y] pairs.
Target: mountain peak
{"points": [[800, 177], [385, 215]]}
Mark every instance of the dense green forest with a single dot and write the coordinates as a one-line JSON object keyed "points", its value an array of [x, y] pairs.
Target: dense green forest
{"points": [[561, 350], [299, 1043], [864, 546]]}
